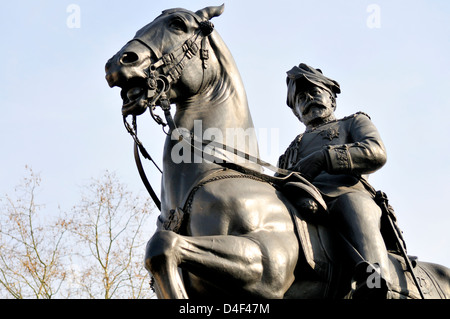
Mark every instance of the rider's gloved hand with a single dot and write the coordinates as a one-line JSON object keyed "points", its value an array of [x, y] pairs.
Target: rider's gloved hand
{"points": [[312, 165]]}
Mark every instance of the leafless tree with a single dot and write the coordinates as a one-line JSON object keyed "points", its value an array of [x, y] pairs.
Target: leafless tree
{"points": [[108, 227], [94, 250], [31, 248]]}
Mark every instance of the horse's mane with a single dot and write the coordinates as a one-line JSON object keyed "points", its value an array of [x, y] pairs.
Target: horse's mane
{"points": [[230, 79]]}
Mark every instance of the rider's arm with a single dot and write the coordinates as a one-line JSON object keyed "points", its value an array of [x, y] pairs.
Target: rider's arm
{"points": [[364, 155]]}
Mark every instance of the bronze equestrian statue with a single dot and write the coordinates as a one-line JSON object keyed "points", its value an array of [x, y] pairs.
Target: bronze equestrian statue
{"points": [[231, 229]]}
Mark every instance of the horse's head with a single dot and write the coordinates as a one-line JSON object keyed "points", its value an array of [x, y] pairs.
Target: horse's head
{"points": [[168, 58]]}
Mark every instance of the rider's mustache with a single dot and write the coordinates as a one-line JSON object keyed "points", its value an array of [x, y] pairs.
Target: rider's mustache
{"points": [[313, 102]]}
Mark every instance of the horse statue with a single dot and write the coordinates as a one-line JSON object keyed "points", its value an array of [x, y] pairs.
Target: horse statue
{"points": [[225, 227]]}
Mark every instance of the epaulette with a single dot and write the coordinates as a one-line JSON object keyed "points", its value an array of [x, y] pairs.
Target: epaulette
{"points": [[354, 115]]}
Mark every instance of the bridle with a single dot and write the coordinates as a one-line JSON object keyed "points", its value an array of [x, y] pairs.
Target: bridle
{"points": [[167, 69]]}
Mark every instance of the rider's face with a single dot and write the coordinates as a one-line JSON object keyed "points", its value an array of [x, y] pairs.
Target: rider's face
{"points": [[314, 105]]}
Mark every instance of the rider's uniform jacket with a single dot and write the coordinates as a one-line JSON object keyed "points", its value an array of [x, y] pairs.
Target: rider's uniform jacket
{"points": [[353, 149]]}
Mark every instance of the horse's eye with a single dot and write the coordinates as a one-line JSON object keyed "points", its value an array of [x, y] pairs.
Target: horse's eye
{"points": [[178, 24]]}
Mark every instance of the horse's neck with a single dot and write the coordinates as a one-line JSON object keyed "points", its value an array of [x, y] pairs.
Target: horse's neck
{"points": [[219, 107], [204, 118], [221, 116]]}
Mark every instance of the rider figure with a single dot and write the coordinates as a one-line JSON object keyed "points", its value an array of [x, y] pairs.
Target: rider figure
{"points": [[337, 155]]}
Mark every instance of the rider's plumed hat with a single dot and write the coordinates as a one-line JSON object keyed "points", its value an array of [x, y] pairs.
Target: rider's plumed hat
{"points": [[303, 76]]}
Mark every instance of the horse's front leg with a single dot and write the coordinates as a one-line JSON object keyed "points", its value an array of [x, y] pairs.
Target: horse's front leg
{"points": [[253, 264], [161, 260]]}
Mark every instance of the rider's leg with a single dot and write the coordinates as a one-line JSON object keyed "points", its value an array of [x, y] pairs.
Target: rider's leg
{"points": [[357, 216], [260, 263]]}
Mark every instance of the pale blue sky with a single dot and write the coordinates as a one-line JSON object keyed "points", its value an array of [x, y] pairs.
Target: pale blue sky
{"points": [[60, 117]]}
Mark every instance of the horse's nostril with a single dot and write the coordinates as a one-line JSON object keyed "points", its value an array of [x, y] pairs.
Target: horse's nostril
{"points": [[129, 57]]}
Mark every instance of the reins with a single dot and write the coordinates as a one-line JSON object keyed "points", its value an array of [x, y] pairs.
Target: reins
{"points": [[139, 147]]}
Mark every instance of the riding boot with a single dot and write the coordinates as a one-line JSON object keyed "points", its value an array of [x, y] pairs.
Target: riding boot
{"points": [[369, 283]]}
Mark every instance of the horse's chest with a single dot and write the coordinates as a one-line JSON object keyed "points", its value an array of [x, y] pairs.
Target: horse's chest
{"points": [[232, 206]]}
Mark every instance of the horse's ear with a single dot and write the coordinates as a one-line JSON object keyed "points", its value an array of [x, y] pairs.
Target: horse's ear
{"points": [[211, 12]]}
